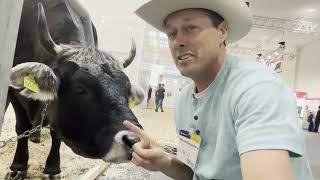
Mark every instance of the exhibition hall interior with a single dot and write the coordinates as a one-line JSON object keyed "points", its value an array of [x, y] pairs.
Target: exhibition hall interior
{"points": [[285, 38]]}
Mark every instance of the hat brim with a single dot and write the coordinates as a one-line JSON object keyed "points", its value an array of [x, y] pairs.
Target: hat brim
{"points": [[235, 13]]}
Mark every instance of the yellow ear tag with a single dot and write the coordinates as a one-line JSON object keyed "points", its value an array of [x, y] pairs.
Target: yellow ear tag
{"points": [[131, 102], [30, 83]]}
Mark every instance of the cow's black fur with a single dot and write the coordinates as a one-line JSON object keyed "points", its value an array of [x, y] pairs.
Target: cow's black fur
{"points": [[92, 97]]}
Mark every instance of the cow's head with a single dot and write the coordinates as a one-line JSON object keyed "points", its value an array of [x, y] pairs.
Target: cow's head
{"points": [[88, 92]]}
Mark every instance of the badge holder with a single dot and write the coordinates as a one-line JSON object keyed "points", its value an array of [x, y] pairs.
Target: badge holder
{"points": [[188, 147]]}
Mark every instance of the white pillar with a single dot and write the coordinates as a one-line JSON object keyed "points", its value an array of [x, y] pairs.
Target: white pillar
{"points": [[289, 69], [10, 12]]}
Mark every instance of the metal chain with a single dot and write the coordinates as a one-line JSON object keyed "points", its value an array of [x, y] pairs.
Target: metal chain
{"points": [[28, 132]]}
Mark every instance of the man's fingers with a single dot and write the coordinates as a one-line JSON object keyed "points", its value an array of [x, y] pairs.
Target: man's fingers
{"points": [[146, 153], [137, 160], [136, 130]]}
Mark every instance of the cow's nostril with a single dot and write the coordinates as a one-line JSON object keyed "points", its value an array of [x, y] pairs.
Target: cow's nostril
{"points": [[130, 140]]}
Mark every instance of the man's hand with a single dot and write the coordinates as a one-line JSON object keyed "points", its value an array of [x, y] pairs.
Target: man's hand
{"points": [[147, 153]]}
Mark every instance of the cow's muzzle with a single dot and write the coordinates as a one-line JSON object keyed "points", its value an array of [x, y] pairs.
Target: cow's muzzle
{"points": [[121, 148], [130, 140]]}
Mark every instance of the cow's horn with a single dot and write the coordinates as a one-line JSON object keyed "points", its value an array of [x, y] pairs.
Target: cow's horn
{"points": [[85, 19], [44, 34], [128, 61]]}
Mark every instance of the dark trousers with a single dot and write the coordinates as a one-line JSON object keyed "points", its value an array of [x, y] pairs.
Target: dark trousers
{"points": [[316, 126], [310, 128], [159, 103]]}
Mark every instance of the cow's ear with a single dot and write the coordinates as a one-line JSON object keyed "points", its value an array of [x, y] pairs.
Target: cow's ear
{"points": [[137, 94], [35, 80]]}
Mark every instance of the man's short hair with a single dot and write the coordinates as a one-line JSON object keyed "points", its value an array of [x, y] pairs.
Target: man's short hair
{"points": [[215, 18]]}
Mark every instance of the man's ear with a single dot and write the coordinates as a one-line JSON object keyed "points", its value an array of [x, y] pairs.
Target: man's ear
{"points": [[223, 28]]}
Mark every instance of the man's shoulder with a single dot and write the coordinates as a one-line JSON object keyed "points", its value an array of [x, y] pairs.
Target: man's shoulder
{"points": [[247, 66], [249, 76], [185, 92], [246, 72]]}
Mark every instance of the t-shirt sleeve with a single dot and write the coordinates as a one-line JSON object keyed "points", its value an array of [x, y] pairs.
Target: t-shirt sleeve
{"points": [[266, 118]]}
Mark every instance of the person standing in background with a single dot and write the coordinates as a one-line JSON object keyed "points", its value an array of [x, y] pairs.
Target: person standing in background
{"points": [[310, 120], [317, 121], [159, 97], [156, 95], [149, 95]]}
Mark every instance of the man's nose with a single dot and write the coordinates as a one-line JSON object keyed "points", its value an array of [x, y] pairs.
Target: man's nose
{"points": [[180, 41]]}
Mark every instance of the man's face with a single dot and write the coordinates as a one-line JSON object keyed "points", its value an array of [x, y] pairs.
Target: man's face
{"points": [[194, 41]]}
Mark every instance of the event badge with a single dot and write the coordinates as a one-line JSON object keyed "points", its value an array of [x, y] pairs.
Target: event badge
{"points": [[188, 147], [30, 83]]}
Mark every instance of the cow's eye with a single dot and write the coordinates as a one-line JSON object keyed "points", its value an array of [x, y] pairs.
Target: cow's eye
{"points": [[80, 90], [86, 69]]}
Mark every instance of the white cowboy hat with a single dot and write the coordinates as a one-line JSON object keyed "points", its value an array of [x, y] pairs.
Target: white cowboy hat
{"points": [[235, 12]]}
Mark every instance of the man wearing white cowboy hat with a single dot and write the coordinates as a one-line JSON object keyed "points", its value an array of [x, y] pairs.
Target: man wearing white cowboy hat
{"points": [[237, 120]]}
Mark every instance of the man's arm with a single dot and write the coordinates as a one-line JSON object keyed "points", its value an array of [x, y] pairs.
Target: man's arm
{"points": [[266, 165], [177, 170], [153, 158]]}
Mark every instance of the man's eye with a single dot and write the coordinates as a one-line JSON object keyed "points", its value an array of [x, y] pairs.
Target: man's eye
{"points": [[171, 34], [190, 28]]}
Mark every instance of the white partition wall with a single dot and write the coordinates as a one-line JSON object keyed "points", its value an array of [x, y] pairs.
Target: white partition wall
{"points": [[308, 70], [116, 25], [10, 11], [288, 69]]}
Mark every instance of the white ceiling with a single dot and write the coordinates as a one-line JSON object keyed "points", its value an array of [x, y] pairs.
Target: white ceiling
{"points": [[116, 23], [268, 39], [287, 9]]}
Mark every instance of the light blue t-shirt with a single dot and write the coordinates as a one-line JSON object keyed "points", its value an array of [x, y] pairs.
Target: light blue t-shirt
{"points": [[247, 107]]}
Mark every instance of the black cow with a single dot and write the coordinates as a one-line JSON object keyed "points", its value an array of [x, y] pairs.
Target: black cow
{"points": [[86, 88]]}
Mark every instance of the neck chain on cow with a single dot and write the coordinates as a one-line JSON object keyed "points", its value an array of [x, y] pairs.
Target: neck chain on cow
{"points": [[28, 132]]}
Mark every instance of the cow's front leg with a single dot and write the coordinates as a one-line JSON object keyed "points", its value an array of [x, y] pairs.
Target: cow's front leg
{"points": [[7, 103], [52, 169], [19, 165]]}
